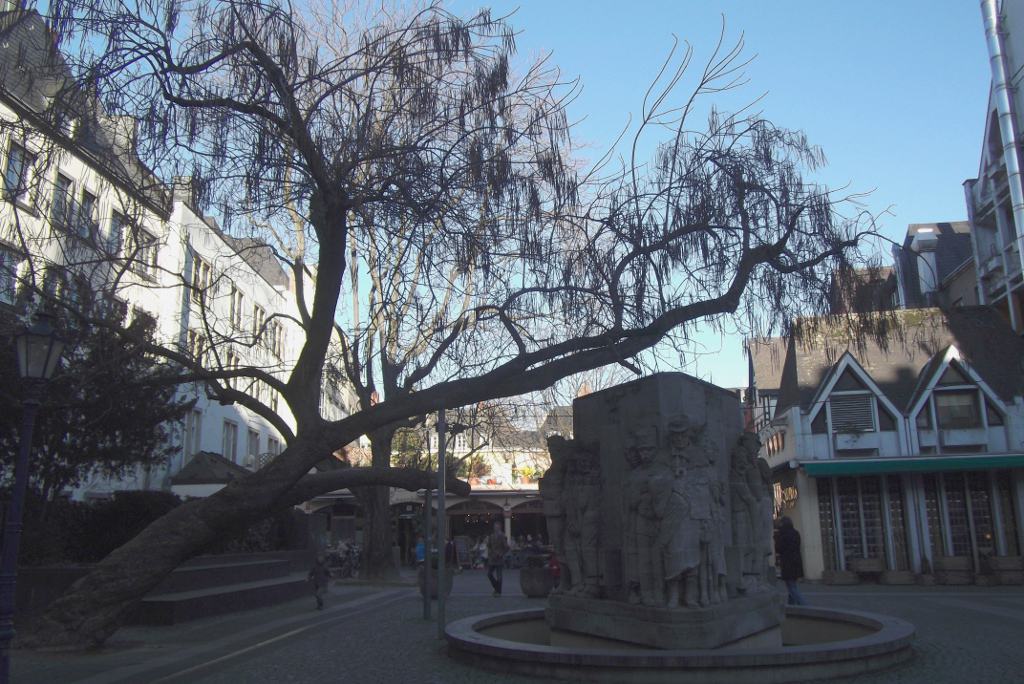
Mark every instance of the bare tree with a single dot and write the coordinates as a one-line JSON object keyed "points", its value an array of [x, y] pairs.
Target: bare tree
{"points": [[417, 131]]}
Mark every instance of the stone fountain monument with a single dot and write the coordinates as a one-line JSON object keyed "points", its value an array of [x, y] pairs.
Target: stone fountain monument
{"points": [[660, 512], [662, 519]]}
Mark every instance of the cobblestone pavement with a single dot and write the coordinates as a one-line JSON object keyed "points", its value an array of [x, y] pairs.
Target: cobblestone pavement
{"points": [[377, 634]]}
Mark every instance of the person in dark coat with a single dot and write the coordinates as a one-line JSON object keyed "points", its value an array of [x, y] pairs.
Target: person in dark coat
{"points": [[320, 576], [791, 565]]}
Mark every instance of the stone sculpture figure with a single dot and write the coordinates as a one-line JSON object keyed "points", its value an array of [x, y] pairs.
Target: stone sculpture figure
{"points": [[746, 493], [691, 502], [552, 492], [582, 495], [766, 517], [644, 578]]}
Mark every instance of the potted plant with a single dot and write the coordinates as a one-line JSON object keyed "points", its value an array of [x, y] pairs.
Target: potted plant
{"points": [[535, 577]]}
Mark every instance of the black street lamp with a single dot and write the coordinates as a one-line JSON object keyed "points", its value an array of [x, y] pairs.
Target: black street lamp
{"points": [[39, 349]]}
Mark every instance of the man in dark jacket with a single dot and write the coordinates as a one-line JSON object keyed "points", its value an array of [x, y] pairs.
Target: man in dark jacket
{"points": [[320, 576], [791, 565]]}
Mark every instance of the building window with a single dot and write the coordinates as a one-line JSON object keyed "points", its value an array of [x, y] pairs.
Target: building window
{"points": [[460, 441], [231, 363], [202, 277], [10, 262], [253, 451], [19, 162], [259, 318], [273, 399], [145, 258], [229, 445], [275, 333], [957, 409], [115, 235], [197, 345], [193, 433], [60, 208], [852, 412], [237, 302], [273, 446], [87, 226]]}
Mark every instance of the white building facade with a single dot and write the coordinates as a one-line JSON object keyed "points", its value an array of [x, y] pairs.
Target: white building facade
{"points": [[81, 217]]}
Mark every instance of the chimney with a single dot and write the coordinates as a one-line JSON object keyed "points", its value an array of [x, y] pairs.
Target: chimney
{"points": [[123, 131], [924, 243], [186, 189]]}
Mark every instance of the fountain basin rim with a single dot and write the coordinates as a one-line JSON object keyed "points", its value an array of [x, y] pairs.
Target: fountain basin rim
{"points": [[892, 635]]}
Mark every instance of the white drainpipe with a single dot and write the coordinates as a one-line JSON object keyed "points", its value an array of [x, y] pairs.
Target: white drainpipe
{"points": [[1007, 121]]}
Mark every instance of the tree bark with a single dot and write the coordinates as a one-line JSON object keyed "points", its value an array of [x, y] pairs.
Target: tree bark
{"points": [[97, 604], [377, 560]]}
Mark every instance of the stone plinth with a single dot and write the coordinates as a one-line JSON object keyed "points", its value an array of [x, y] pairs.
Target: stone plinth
{"points": [[667, 628]]}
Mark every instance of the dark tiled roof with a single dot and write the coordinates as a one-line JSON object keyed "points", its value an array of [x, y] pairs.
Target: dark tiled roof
{"points": [[261, 257], [209, 468], [768, 355], [862, 290], [895, 360], [36, 81]]}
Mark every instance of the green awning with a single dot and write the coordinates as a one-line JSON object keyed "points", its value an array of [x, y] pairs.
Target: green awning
{"points": [[925, 464]]}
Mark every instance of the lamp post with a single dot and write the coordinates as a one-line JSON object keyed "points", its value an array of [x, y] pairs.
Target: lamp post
{"points": [[39, 349], [443, 430]]}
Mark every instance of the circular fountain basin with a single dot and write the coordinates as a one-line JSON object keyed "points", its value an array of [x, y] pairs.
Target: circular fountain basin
{"points": [[818, 643]]}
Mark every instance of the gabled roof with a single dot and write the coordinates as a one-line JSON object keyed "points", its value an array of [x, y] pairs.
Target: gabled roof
{"points": [[207, 467], [932, 373], [848, 362], [896, 360]]}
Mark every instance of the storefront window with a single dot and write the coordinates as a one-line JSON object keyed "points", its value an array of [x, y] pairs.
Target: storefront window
{"points": [[956, 506], [981, 511], [897, 518], [849, 518], [1004, 488], [827, 520], [934, 512], [871, 504]]}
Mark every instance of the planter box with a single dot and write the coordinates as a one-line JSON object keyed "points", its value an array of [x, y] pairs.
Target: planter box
{"points": [[1007, 570], [954, 570], [840, 577], [866, 565], [897, 577]]}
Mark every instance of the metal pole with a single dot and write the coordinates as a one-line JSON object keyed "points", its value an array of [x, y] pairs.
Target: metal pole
{"points": [[426, 554], [442, 521], [12, 533]]}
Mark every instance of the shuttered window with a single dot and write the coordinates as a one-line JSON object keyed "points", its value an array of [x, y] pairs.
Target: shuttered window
{"points": [[852, 413]]}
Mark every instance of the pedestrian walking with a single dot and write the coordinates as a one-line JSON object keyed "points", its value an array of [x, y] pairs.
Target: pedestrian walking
{"points": [[320, 576], [497, 547], [791, 565]]}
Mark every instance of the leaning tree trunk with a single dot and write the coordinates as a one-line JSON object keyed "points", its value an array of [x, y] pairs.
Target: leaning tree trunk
{"points": [[97, 604], [377, 561]]}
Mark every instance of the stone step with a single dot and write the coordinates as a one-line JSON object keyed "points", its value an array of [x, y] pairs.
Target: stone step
{"points": [[176, 607], [196, 577]]}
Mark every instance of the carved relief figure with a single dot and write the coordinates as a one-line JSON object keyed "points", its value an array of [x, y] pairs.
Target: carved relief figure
{"points": [[746, 493], [643, 570], [691, 501], [583, 521], [552, 492]]}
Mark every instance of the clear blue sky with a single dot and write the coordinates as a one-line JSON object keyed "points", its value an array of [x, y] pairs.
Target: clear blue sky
{"points": [[894, 92]]}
